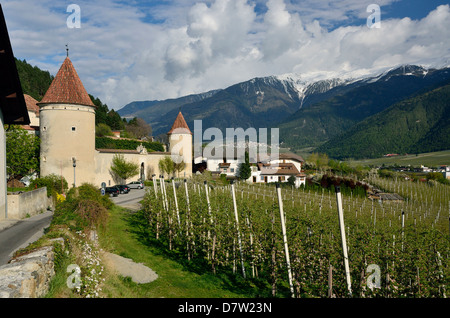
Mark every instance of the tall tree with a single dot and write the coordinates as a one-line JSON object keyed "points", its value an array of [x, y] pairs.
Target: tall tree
{"points": [[138, 128], [166, 165], [178, 167], [121, 169], [22, 152], [245, 171]]}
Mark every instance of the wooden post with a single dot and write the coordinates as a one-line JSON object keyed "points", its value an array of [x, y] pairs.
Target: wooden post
{"points": [[286, 248], [155, 187], [403, 227], [330, 281], [176, 201], [343, 238], [237, 228], [188, 220], [187, 195]]}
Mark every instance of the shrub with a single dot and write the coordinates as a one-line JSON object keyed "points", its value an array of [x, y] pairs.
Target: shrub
{"points": [[55, 184], [106, 143], [83, 209]]}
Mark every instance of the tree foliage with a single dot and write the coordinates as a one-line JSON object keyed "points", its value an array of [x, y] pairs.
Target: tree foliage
{"points": [[34, 81], [245, 171], [416, 125], [109, 143], [103, 130], [103, 115], [138, 128], [53, 183], [121, 169], [167, 165], [22, 152]]}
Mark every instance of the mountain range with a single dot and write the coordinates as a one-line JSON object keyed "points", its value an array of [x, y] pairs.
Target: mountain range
{"points": [[310, 113]]}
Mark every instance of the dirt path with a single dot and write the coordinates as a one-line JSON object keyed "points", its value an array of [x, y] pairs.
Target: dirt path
{"points": [[126, 267]]}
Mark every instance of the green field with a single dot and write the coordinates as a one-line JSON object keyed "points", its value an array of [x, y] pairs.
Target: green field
{"points": [[430, 159]]}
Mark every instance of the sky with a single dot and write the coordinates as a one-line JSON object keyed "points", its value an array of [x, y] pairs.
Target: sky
{"points": [[137, 50]]}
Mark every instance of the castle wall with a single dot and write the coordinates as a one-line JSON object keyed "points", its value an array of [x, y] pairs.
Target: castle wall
{"points": [[103, 162]]}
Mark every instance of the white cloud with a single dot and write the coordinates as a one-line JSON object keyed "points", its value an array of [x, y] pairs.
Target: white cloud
{"points": [[121, 57]]}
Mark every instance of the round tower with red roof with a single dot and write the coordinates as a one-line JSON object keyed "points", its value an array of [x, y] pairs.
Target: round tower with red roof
{"points": [[180, 144], [67, 128]]}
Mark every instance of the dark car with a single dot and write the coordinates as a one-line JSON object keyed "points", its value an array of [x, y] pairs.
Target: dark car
{"points": [[123, 188], [112, 191]]}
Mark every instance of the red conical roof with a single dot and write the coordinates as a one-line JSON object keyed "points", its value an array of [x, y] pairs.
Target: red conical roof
{"points": [[67, 87], [180, 125]]}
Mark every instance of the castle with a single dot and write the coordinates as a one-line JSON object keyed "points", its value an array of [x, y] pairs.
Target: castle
{"points": [[67, 132]]}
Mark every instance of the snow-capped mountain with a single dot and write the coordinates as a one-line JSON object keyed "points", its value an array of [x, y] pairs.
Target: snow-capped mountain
{"points": [[269, 101]]}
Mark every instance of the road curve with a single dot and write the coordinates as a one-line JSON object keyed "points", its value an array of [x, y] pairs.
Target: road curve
{"points": [[21, 234]]}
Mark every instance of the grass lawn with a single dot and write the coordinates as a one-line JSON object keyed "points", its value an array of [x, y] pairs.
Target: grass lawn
{"points": [[125, 236]]}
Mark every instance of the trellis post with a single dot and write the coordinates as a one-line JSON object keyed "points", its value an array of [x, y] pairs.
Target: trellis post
{"points": [[343, 238], [283, 229], [237, 227]]}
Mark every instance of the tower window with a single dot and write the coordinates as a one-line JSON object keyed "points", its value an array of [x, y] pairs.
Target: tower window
{"points": [[73, 128]]}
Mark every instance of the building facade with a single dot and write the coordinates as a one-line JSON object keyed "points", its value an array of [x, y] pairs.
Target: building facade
{"points": [[263, 171]]}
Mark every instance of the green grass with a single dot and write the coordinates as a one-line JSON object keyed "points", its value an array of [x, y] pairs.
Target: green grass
{"points": [[125, 236], [432, 159]]}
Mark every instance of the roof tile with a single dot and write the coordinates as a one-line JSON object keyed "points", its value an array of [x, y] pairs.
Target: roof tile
{"points": [[67, 87], [180, 125]]}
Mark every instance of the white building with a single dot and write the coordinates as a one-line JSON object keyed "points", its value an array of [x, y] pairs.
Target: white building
{"points": [[264, 171]]}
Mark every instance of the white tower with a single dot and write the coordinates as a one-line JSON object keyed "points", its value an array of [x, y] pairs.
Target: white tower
{"points": [[180, 144], [67, 128]]}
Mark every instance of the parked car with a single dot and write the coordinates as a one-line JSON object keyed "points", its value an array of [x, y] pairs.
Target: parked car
{"points": [[112, 191], [123, 188], [136, 185]]}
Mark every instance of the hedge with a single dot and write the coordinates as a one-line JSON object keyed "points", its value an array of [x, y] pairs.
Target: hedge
{"points": [[109, 143]]}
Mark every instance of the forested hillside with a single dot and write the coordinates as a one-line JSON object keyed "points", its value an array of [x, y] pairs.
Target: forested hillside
{"points": [[324, 121], [35, 82], [416, 125]]}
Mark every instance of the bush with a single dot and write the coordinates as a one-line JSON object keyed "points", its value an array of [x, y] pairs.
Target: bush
{"points": [[55, 184], [83, 209], [109, 143]]}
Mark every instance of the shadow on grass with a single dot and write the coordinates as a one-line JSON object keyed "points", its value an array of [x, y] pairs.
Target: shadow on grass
{"points": [[234, 282]]}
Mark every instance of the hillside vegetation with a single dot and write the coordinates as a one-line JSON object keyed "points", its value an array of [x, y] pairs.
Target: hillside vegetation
{"points": [[416, 125], [35, 82]]}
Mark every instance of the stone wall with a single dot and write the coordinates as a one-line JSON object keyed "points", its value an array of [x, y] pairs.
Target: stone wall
{"points": [[28, 276], [27, 203]]}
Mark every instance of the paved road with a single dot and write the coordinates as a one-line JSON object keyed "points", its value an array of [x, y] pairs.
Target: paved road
{"points": [[131, 200], [19, 234]]}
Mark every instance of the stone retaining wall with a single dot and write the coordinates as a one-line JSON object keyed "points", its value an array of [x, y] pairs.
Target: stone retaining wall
{"points": [[29, 275]]}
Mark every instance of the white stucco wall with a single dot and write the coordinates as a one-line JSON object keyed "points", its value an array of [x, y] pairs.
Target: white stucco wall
{"points": [[181, 145], [103, 163], [68, 131]]}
